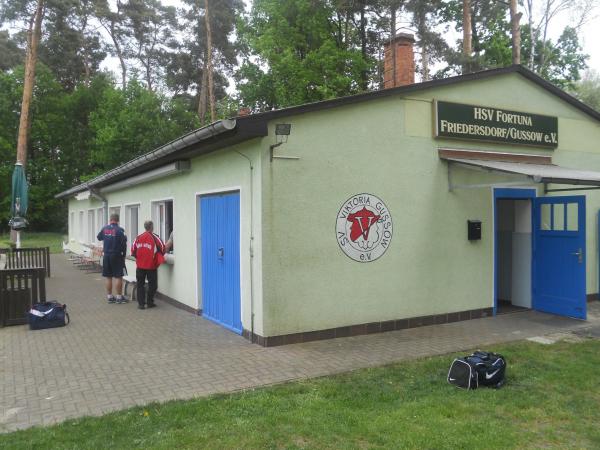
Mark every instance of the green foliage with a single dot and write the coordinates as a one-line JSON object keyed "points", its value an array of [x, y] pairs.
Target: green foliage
{"points": [[562, 62], [588, 90], [550, 401], [186, 63], [76, 135], [131, 122], [300, 56], [559, 62], [70, 49], [12, 55]]}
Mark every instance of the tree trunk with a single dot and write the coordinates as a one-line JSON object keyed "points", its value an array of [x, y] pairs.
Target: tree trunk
{"points": [[531, 35], [363, 45], [113, 36], [393, 43], [202, 95], [209, 65], [88, 73], [545, 36], [422, 31], [33, 39], [467, 50], [86, 56], [148, 67], [515, 17]]}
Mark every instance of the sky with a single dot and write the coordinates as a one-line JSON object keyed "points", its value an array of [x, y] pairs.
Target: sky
{"points": [[589, 34]]}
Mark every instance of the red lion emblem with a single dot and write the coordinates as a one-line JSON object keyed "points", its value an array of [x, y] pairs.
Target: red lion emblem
{"points": [[362, 221]]}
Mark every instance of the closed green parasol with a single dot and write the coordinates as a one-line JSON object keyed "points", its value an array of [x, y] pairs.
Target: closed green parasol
{"points": [[19, 200]]}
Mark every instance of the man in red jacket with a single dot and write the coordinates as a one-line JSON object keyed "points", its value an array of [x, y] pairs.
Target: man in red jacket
{"points": [[146, 249]]}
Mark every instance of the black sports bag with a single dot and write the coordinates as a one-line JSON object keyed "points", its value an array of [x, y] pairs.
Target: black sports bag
{"points": [[48, 315], [478, 369]]}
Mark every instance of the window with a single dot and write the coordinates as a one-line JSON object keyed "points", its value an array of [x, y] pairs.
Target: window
{"points": [[559, 217], [80, 234], [162, 216], [572, 217], [546, 221], [132, 221], [114, 210], [91, 225], [72, 225], [100, 220]]}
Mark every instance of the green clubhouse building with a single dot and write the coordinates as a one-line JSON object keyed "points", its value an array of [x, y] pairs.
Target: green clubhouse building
{"points": [[419, 204]]}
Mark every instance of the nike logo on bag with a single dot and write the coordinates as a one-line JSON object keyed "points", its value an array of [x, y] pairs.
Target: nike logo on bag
{"points": [[490, 375], [451, 379]]}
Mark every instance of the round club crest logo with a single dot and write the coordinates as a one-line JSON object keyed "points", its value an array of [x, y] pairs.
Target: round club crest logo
{"points": [[364, 227]]}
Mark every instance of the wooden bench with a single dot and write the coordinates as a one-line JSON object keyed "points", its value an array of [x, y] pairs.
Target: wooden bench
{"points": [[95, 260], [27, 258], [90, 260]]}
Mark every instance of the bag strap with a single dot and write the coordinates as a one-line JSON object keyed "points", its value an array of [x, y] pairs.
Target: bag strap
{"points": [[156, 243], [64, 308]]}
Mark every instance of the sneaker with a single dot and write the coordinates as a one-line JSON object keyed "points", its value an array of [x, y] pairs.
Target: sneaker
{"points": [[141, 306], [121, 300], [111, 299], [151, 305]]}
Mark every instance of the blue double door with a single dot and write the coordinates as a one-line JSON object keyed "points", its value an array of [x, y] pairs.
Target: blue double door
{"points": [[559, 256], [220, 259]]}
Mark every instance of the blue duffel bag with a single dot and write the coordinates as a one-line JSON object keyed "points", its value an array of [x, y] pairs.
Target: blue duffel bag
{"points": [[48, 315]]}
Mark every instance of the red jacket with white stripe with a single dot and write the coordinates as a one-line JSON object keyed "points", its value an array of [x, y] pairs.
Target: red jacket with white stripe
{"points": [[144, 248]]}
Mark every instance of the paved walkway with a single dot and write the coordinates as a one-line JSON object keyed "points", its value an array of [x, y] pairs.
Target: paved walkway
{"points": [[113, 356]]}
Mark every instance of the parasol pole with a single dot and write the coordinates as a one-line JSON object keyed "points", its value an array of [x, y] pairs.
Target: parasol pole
{"points": [[18, 212]]}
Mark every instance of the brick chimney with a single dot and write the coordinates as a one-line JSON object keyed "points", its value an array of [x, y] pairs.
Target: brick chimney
{"points": [[244, 111], [402, 45]]}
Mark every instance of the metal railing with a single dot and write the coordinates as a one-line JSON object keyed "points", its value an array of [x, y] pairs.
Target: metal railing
{"points": [[25, 258], [19, 289]]}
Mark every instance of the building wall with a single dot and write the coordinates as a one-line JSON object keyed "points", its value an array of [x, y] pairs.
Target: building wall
{"points": [[219, 171], [385, 147]]}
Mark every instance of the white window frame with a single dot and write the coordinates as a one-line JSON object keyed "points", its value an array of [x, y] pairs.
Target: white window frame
{"points": [[159, 216], [99, 221], [81, 229], [72, 225], [91, 225], [128, 225], [115, 208]]}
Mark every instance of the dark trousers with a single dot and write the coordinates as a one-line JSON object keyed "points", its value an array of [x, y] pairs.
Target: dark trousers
{"points": [[141, 275]]}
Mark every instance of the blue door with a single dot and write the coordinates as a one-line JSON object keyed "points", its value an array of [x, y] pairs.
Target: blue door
{"points": [[220, 250], [559, 256]]}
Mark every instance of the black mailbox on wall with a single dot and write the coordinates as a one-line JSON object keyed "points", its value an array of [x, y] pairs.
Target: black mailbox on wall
{"points": [[474, 229]]}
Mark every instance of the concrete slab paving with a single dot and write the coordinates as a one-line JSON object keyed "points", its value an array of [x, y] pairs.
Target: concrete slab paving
{"points": [[113, 357]]}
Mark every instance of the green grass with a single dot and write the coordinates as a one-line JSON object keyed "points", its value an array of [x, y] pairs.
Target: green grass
{"points": [[551, 400], [36, 239]]}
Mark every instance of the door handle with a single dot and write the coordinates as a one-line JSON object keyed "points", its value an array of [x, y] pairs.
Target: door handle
{"points": [[220, 253], [579, 254]]}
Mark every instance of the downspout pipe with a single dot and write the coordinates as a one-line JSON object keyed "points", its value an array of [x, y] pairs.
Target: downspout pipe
{"points": [[251, 249]]}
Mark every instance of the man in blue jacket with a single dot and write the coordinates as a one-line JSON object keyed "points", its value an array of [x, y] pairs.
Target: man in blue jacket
{"points": [[113, 262]]}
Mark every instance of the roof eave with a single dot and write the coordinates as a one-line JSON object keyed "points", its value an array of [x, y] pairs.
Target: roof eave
{"points": [[200, 141]]}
